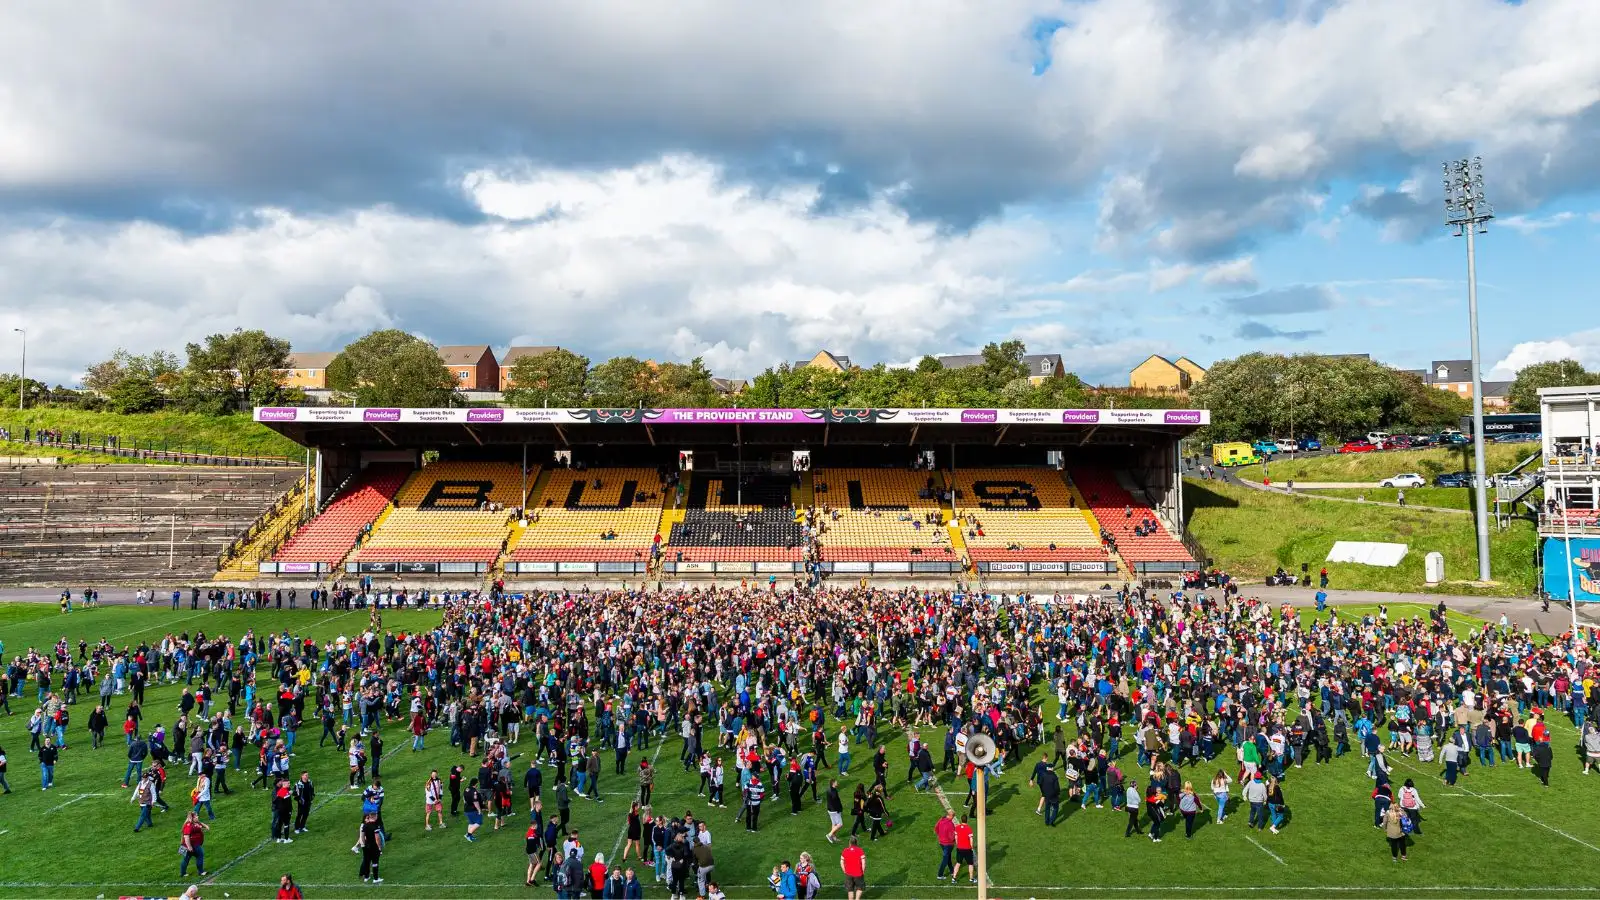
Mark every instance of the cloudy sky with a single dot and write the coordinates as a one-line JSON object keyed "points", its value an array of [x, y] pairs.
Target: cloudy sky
{"points": [[751, 181]]}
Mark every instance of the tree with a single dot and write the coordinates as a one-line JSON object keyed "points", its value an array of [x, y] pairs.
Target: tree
{"points": [[555, 378], [1262, 395], [1427, 408], [1002, 363], [625, 381], [684, 385], [232, 372], [929, 365], [11, 391], [768, 390], [1523, 396], [160, 367], [134, 393], [391, 368]]}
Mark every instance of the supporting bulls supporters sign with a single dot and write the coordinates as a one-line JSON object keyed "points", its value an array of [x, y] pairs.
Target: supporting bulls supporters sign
{"points": [[887, 416]]}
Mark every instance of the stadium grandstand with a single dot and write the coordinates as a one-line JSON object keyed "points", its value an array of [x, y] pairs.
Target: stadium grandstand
{"points": [[606, 514], [131, 523], [457, 514], [882, 515], [534, 493], [324, 541], [1026, 514]]}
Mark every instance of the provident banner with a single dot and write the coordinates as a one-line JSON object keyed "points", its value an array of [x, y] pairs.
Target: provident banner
{"points": [[832, 416]]}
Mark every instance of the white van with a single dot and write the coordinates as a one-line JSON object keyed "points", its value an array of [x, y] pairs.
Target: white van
{"points": [[1377, 437]]}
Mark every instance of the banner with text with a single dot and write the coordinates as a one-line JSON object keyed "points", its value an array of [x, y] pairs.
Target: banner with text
{"points": [[876, 416]]}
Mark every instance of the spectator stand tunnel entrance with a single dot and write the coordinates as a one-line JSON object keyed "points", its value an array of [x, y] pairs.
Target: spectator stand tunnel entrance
{"points": [[582, 492]]}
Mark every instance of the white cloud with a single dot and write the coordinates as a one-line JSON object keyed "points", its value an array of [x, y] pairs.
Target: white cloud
{"points": [[670, 256], [1583, 346], [1532, 224], [1224, 114], [1282, 157], [1158, 278]]}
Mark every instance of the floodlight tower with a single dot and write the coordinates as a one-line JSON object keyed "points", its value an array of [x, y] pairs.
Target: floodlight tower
{"points": [[1468, 212]]}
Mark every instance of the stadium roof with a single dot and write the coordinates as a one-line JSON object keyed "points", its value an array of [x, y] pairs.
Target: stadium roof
{"points": [[376, 428]]}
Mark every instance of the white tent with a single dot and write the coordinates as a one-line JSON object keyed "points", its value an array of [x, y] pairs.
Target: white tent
{"points": [[1368, 553]]}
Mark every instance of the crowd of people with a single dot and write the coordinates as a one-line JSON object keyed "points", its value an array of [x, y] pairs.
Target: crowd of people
{"points": [[1129, 699]]}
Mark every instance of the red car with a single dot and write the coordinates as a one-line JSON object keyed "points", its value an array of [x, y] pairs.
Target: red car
{"points": [[1356, 447]]}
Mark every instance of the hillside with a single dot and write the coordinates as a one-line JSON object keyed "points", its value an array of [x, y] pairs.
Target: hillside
{"points": [[186, 432], [1374, 467], [1251, 533]]}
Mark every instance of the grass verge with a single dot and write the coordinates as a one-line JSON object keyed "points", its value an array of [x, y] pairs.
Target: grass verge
{"points": [[1251, 533], [1375, 467], [222, 435], [1444, 498]]}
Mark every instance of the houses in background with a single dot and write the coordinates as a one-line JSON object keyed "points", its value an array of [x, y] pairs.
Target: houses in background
{"points": [[1041, 366], [825, 360], [308, 371], [1157, 373], [1455, 376]]}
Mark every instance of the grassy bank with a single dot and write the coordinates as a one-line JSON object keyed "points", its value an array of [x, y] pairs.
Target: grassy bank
{"points": [[222, 435], [1251, 533], [1377, 466], [1447, 498]]}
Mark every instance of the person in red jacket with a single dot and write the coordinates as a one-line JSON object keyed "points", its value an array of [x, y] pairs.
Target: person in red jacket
{"points": [[944, 831], [287, 889], [597, 874]]}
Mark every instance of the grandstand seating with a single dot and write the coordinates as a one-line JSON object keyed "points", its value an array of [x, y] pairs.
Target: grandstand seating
{"points": [[1119, 513], [878, 516], [572, 515], [1020, 513], [439, 514], [718, 527], [331, 534], [101, 524]]}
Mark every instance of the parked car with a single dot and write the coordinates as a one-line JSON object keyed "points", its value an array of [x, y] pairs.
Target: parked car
{"points": [[1376, 438], [1265, 446], [1424, 440], [1356, 447], [1453, 437], [1517, 437], [1397, 442], [1407, 480], [1453, 479], [1287, 445], [1309, 443], [1506, 479]]}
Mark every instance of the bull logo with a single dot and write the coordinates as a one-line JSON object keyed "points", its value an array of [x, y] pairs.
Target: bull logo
{"points": [[1006, 495], [852, 416], [628, 416]]}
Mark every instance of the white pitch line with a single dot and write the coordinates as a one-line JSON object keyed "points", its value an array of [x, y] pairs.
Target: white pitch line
{"points": [[624, 832], [158, 627], [77, 799], [938, 791], [1263, 849], [1518, 813], [212, 878]]}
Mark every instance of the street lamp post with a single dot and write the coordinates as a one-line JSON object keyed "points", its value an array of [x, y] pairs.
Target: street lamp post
{"points": [[1467, 211], [22, 380]]}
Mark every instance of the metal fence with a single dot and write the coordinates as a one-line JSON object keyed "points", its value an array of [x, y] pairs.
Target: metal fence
{"points": [[161, 449]]}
